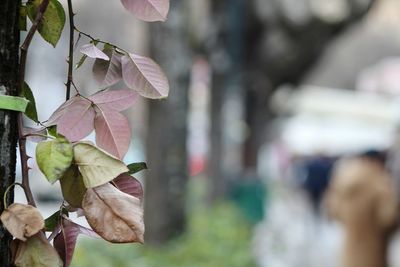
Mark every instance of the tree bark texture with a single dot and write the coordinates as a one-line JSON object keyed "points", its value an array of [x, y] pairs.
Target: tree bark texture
{"points": [[9, 49], [166, 145]]}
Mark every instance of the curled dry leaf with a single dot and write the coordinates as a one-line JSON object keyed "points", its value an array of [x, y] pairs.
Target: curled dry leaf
{"points": [[109, 72], [144, 76], [22, 220], [35, 252], [96, 166], [114, 215], [73, 187], [148, 10], [92, 51]]}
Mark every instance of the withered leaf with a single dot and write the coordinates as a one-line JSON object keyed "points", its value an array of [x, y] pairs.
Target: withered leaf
{"points": [[36, 251], [22, 220], [114, 215]]}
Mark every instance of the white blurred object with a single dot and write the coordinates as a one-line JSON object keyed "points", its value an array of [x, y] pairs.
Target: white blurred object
{"points": [[291, 235], [338, 121], [382, 77]]}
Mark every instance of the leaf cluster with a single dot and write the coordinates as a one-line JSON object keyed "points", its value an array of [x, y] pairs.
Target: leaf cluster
{"points": [[94, 180]]}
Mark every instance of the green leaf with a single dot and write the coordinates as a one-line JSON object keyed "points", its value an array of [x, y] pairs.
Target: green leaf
{"points": [[81, 61], [137, 167], [53, 20], [54, 158], [31, 108], [96, 166], [52, 130], [72, 187], [84, 57], [13, 103], [51, 222], [22, 18]]}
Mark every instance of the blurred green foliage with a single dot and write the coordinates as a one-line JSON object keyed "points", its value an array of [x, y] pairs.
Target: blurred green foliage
{"points": [[216, 237]]}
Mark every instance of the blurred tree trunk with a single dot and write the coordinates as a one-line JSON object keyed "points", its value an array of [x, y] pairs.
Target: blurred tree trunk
{"points": [[282, 40], [224, 50], [281, 48], [9, 48], [166, 144]]}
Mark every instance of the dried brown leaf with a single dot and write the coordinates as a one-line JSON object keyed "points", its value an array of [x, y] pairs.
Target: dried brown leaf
{"points": [[22, 220], [114, 215], [35, 252]]}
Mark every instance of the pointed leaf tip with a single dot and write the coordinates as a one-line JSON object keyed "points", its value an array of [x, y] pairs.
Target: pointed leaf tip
{"points": [[30, 110], [92, 51], [108, 73], [148, 10], [144, 76], [96, 166]]}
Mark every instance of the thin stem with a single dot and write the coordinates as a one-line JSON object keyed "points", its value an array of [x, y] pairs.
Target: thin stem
{"points": [[71, 49], [98, 40], [40, 135], [8, 189], [76, 89], [22, 66], [55, 232]]}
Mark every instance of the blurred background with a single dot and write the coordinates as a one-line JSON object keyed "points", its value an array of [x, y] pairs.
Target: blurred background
{"points": [[266, 95]]}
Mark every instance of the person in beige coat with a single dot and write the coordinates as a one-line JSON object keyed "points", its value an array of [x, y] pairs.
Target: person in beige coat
{"points": [[362, 197]]}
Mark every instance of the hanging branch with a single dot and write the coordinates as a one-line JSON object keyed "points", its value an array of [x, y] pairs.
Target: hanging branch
{"points": [[71, 49], [98, 40], [22, 66]]}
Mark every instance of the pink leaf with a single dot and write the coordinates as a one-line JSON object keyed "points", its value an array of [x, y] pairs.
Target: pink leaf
{"points": [[108, 73], [65, 241], [93, 52], [31, 134], [113, 132], [129, 185], [148, 10], [61, 110], [77, 122], [144, 76], [117, 99]]}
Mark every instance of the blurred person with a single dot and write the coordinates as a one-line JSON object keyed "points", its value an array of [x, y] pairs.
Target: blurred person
{"points": [[362, 198], [316, 172]]}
